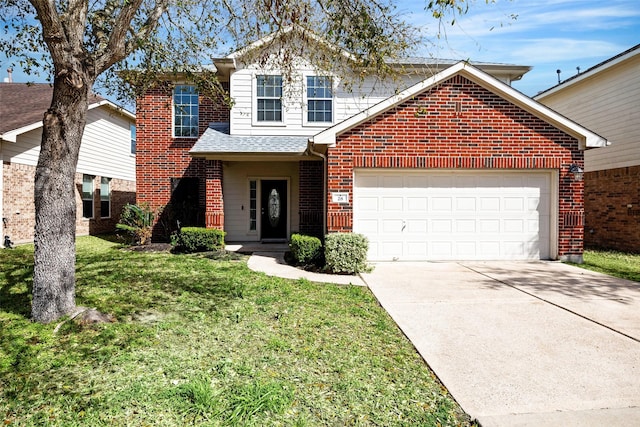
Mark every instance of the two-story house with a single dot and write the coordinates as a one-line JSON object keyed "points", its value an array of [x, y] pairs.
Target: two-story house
{"points": [[447, 161], [105, 174]]}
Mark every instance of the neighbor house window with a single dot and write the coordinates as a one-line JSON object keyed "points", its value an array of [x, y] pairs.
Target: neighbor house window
{"points": [[105, 197], [269, 98], [87, 196], [319, 99], [185, 111], [253, 205], [133, 139]]}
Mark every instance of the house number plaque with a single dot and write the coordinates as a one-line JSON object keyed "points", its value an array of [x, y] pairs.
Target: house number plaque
{"points": [[340, 197]]}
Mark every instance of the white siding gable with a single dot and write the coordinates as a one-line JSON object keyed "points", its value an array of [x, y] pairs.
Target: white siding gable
{"points": [[105, 149], [608, 103]]}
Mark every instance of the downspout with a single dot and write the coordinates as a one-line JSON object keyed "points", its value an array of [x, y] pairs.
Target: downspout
{"points": [[324, 185]]}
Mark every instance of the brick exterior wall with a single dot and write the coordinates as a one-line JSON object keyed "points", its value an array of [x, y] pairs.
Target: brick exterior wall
{"points": [[459, 125], [612, 207], [160, 158], [19, 206], [311, 209]]}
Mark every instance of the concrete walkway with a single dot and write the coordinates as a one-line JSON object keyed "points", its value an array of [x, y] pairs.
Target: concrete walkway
{"points": [[522, 344], [273, 264]]}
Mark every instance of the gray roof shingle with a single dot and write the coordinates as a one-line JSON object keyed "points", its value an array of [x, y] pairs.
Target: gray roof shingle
{"points": [[216, 139]]}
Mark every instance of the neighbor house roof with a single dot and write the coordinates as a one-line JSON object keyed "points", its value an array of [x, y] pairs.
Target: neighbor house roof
{"points": [[216, 143], [604, 65], [22, 107], [585, 137]]}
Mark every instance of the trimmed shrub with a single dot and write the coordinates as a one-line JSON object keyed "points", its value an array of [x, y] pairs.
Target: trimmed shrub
{"points": [[198, 239], [346, 252], [305, 249]]}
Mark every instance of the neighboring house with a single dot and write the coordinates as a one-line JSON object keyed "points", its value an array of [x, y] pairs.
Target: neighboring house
{"points": [[105, 175], [457, 166], [606, 99]]}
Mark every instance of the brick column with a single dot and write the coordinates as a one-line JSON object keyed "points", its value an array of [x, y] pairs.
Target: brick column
{"points": [[214, 214]]}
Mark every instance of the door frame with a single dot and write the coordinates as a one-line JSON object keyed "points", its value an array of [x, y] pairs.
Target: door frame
{"points": [[259, 180]]}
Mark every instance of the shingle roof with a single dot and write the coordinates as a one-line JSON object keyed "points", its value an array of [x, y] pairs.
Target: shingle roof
{"points": [[23, 104], [216, 139]]}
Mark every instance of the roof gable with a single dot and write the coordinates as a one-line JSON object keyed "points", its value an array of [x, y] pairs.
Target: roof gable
{"points": [[585, 137], [22, 107]]}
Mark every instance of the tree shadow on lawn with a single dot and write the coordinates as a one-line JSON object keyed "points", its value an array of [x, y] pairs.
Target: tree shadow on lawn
{"points": [[125, 283], [16, 281]]}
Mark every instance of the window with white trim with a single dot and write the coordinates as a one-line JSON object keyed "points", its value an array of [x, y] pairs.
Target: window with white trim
{"points": [[87, 196], [105, 197], [185, 111], [269, 98], [319, 99]]}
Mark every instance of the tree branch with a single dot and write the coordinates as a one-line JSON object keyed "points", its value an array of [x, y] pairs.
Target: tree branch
{"points": [[52, 30], [118, 46]]}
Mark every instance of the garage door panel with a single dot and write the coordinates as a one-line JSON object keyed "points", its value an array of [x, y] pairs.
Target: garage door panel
{"points": [[417, 226], [392, 204], [417, 204], [453, 214], [441, 225], [442, 204]]}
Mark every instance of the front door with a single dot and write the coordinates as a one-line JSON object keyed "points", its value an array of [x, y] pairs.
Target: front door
{"points": [[274, 209]]}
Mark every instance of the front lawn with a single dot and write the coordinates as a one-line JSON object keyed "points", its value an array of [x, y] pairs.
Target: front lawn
{"points": [[204, 341], [617, 264]]}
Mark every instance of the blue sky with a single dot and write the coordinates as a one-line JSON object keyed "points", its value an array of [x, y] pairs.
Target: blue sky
{"points": [[546, 34]]}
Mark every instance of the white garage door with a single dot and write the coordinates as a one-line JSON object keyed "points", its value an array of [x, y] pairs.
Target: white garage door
{"points": [[453, 215]]}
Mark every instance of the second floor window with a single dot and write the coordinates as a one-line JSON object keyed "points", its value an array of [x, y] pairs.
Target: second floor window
{"points": [[319, 99], [185, 111], [269, 97]]}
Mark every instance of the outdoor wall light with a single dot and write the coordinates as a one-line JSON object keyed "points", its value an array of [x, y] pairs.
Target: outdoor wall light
{"points": [[577, 172]]}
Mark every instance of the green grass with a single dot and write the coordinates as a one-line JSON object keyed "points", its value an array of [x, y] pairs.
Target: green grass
{"points": [[617, 264], [204, 341]]}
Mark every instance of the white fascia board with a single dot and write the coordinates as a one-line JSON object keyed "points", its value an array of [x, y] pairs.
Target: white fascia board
{"points": [[12, 135], [114, 107], [586, 138]]}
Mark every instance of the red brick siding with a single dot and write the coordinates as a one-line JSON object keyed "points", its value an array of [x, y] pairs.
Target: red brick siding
{"points": [[459, 125], [310, 199], [19, 207], [610, 223], [160, 156]]}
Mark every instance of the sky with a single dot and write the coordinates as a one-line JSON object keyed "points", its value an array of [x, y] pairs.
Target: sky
{"points": [[545, 34]]}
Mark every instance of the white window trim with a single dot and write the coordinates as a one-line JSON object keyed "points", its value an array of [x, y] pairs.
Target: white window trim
{"points": [[254, 102], [173, 113], [305, 101]]}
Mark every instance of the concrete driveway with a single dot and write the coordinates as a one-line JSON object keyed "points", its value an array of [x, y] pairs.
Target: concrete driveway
{"points": [[522, 343]]}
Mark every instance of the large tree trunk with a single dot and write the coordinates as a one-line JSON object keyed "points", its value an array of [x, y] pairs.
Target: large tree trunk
{"points": [[55, 200]]}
